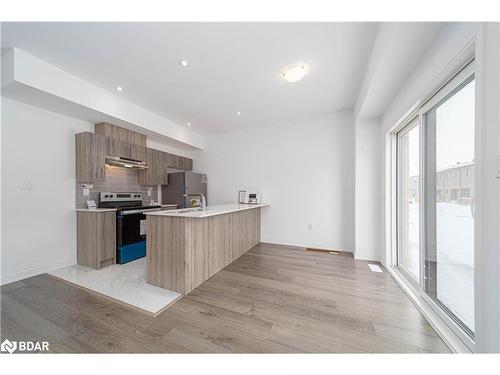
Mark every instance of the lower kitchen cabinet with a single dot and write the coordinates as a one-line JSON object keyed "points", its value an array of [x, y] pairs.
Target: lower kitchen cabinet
{"points": [[96, 238]]}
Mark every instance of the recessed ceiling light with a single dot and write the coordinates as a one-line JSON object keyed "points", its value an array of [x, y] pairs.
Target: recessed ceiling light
{"points": [[238, 113], [295, 72], [188, 124], [184, 63], [119, 88]]}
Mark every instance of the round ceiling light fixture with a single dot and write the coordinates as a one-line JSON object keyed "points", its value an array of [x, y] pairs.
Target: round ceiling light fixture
{"points": [[184, 63], [119, 88], [238, 113], [294, 73], [188, 124]]}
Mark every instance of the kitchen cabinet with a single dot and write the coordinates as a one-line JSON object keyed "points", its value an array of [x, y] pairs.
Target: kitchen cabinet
{"points": [[174, 161], [96, 238], [137, 152], [183, 252], [147, 176], [156, 173], [186, 164], [123, 135], [162, 167], [158, 164], [91, 150], [90, 157], [179, 162], [115, 147]]}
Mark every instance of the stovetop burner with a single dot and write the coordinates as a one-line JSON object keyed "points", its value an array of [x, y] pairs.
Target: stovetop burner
{"points": [[124, 201]]}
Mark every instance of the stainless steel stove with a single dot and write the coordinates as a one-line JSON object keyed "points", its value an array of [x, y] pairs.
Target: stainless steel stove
{"points": [[130, 223]]}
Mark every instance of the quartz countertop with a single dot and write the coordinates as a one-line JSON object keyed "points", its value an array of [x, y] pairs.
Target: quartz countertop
{"points": [[96, 210], [209, 210]]}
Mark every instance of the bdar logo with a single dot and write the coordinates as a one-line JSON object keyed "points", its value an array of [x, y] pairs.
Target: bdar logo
{"points": [[8, 346]]}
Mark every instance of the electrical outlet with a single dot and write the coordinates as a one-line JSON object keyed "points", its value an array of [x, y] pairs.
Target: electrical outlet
{"points": [[149, 193], [27, 187], [86, 192], [309, 226]]}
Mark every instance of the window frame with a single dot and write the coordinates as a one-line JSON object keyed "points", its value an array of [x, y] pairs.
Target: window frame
{"points": [[464, 68], [403, 130]]}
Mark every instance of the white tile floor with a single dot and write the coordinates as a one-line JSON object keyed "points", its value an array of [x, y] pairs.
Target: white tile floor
{"points": [[126, 283]]}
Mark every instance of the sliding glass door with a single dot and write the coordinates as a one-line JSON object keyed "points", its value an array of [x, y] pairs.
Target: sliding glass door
{"points": [[435, 200], [449, 196]]}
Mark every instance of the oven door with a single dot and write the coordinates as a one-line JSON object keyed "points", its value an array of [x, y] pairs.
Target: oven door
{"points": [[130, 228], [130, 236]]}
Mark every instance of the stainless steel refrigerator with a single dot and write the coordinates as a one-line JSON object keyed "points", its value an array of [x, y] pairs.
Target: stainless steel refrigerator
{"points": [[181, 185]]}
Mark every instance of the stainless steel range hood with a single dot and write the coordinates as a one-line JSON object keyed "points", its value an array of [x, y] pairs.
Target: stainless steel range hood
{"points": [[125, 162]]}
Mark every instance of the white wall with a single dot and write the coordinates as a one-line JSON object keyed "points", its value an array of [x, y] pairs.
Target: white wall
{"points": [[38, 228], [368, 207], [487, 229], [304, 168]]}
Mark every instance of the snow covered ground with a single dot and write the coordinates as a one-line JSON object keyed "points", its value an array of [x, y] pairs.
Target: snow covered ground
{"points": [[455, 260], [455, 257]]}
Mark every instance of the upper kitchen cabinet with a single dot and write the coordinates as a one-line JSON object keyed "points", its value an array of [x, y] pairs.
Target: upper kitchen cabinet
{"points": [[90, 154], [111, 140], [187, 164], [115, 147], [116, 132], [136, 152], [156, 173], [179, 162], [161, 167]]}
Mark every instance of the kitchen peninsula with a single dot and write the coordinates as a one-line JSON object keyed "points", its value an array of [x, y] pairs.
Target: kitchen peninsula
{"points": [[186, 247]]}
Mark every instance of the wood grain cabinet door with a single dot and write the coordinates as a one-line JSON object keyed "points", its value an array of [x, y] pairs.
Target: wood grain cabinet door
{"points": [[125, 150], [108, 233], [113, 146], [148, 176], [96, 238], [89, 157], [162, 168], [187, 164], [174, 161], [137, 152]]}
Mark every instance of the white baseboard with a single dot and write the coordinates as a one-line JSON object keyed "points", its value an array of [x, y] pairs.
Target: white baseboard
{"points": [[18, 276], [447, 335], [305, 244]]}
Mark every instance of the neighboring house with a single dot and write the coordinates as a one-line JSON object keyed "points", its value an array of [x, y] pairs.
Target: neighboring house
{"points": [[454, 183]]}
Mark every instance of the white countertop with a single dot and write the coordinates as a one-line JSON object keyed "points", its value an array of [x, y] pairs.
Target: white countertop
{"points": [[209, 211], [96, 210]]}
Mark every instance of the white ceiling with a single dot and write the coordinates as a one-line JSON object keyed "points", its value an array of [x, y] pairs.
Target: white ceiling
{"points": [[234, 66]]}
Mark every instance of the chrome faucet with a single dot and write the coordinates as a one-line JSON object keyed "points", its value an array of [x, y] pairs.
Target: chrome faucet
{"points": [[203, 202]]}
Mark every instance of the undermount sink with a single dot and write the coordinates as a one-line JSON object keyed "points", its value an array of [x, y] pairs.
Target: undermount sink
{"points": [[187, 210]]}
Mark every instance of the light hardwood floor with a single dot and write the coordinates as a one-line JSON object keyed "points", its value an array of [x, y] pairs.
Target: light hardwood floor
{"points": [[273, 299]]}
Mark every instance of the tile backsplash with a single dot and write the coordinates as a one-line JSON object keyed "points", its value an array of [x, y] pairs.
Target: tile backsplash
{"points": [[117, 179]]}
